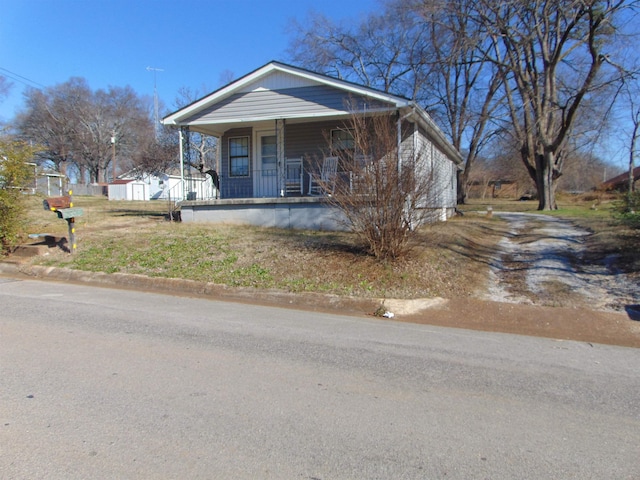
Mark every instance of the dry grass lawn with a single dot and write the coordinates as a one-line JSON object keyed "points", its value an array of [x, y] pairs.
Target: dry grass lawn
{"points": [[447, 259]]}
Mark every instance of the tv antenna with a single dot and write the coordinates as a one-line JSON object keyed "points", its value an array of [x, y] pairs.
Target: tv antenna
{"points": [[155, 98]]}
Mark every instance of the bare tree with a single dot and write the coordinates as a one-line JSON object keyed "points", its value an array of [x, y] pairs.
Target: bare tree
{"points": [[383, 194], [5, 87], [482, 67], [157, 154], [116, 115], [462, 87], [385, 51], [226, 77], [583, 171], [551, 56], [77, 127], [50, 120], [629, 96], [422, 50]]}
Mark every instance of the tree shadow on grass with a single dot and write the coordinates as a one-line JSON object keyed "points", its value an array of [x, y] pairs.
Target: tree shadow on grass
{"points": [[471, 247], [137, 213], [329, 242]]}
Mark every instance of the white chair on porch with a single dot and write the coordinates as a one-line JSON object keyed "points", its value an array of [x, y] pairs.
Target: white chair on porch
{"points": [[324, 181], [357, 176], [293, 177]]}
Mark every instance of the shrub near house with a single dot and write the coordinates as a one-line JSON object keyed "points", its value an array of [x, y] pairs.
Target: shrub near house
{"points": [[15, 175]]}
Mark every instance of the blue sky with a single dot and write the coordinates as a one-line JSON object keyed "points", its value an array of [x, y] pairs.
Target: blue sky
{"points": [[112, 42]]}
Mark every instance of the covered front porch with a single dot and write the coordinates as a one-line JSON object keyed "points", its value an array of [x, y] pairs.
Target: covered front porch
{"points": [[276, 158], [268, 174]]}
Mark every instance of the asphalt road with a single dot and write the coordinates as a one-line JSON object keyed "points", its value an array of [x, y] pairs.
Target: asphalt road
{"points": [[103, 383]]}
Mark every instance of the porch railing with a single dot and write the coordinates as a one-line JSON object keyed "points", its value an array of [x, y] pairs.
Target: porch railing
{"points": [[266, 183]]}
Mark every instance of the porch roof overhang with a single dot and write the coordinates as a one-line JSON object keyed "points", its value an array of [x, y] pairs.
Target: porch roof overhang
{"points": [[217, 128]]}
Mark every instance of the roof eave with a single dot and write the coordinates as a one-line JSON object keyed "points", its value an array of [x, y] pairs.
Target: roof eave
{"points": [[439, 136]]}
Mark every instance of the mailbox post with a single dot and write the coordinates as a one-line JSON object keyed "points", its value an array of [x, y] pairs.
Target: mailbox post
{"points": [[63, 206]]}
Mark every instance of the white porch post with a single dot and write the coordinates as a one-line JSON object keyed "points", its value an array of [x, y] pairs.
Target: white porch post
{"points": [[219, 166], [282, 167], [181, 153]]}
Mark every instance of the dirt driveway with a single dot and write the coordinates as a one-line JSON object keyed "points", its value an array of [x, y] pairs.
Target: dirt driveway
{"points": [[541, 262], [541, 284]]}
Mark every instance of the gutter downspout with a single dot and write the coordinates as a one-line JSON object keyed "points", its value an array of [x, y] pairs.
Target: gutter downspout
{"points": [[399, 128], [399, 163]]}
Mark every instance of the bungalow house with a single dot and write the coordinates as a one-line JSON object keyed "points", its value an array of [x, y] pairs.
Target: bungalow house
{"points": [[274, 128]]}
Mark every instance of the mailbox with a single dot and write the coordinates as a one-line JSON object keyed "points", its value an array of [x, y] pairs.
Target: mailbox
{"points": [[63, 206], [56, 203], [67, 213]]}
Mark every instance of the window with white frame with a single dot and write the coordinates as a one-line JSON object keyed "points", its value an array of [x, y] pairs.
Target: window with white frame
{"points": [[239, 157], [341, 140]]}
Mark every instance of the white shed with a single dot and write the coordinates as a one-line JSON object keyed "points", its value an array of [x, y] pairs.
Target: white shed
{"points": [[162, 187], [123, 189]]}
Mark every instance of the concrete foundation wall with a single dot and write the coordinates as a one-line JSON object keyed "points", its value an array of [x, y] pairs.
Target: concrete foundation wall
{"points": [[303, 215], [297, 213]]}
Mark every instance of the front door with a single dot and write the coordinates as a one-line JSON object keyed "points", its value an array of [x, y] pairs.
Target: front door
{"points": [[267, 165]]}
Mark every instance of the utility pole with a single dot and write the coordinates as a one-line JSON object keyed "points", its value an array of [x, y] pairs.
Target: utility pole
{"points": [[113, 154], [155, 99]]}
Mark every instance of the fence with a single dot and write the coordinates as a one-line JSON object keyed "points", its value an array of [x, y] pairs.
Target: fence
{"points": [[90, 190]]}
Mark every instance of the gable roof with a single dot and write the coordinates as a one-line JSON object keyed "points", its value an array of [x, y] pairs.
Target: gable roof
{"points": [[620, 181], [279, 76]]}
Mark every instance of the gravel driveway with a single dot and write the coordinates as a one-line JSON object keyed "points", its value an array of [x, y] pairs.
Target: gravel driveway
{"points": [[540, 262]]}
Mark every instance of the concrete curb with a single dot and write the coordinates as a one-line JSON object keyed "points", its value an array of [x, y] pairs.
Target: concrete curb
{"points": [[176, 286]]}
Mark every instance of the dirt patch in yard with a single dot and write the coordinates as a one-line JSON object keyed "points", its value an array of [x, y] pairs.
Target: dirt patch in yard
{"points": [[561, 323]]}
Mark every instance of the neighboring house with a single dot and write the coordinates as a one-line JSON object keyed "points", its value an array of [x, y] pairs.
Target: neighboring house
{"points": [[502, 188], [279, 119], [136, 186], [620, 182]]}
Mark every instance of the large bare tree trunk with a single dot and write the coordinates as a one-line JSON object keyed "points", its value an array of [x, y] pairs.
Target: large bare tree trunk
{"points": [[463, 182], [545, 179], [632, 155]]}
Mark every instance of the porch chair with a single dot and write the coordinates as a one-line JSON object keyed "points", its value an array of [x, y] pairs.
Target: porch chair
{"points": [[361, 165], [293, 177], [324, 182]]}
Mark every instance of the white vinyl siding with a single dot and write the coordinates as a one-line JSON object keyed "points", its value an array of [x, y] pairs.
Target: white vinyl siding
{"points": [[278, 81], [289, 103], [432, 162]]}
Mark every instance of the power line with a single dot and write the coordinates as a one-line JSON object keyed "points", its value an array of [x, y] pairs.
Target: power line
{"points": [[20, 78]]}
